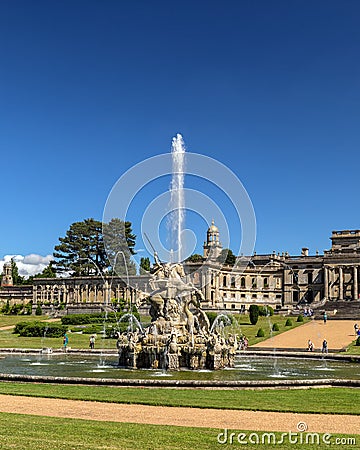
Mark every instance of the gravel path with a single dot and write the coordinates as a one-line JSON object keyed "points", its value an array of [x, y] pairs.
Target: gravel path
{"points": [[189, 417], [338, 333]]}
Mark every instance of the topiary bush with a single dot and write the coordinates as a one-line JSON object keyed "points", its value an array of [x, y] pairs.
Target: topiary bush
{"points": [[276, 327], [288, 322], [38, 311], [260, 333], [300, 318], [254, 314], [266, 311]]}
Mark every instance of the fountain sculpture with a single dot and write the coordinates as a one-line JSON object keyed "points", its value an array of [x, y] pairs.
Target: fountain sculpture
{"points": [[179, 335]]}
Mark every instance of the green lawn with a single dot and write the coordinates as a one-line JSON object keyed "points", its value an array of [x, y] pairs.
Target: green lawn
{"points": [[22, 432], [7, 320], [315, 400], [266, 323]]}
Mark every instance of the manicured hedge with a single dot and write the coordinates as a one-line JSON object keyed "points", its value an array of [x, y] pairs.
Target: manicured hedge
{"points": [[84, 319], [40, 329]]}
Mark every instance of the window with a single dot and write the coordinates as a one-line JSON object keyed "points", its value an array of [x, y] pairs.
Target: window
{"points": [[233, 295], [232, 282], [254, 296], [253, 282], [242, 296], [242, 282], [278, 296], [233, 306], [310, 277], [295, 296], [266, 282], [266, 295], [224, 281]]}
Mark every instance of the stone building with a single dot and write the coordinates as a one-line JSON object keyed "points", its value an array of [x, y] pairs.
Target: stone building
{"points": [[279, 280]]}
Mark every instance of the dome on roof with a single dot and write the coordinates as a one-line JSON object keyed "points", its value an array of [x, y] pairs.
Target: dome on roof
{"points": [[213, 228]]}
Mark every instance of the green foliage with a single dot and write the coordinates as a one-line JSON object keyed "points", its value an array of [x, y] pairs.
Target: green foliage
{"points": [[358, 342], [276, 327], [227, 257], [144, 265], [266, 311], [288, 322], [82, 249], [84, 319], [38, 311], [196, 257], [93, 329], [300, 318], [6, 308], [254, 314], [260, 333], [17, 279], [211, 316], [119, 242], [39, 329]]}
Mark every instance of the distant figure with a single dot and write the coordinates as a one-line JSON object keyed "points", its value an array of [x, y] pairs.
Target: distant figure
{"points": [[324, 346], [325, 317], [92, 342], [356, 328], [310, 346], [65, 341]]}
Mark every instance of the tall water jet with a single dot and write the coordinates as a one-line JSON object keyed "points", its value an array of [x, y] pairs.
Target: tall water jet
{"points": [[177, 201]]}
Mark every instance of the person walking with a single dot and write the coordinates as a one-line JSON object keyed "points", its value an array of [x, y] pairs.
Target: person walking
{"points": [[65, 341], [310, 346], [356, 327], [324, 346], [92, 342], [325, 317]]}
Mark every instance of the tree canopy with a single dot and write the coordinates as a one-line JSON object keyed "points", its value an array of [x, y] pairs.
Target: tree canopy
{"points": [[227, 257], [93, 248]]}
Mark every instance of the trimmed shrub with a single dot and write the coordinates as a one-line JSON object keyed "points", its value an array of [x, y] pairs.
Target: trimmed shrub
{"points": [[288, 322], [38, 311], [93, 329], [358, 342], [266, 311], [40, 329], [300, 318], [254, 314], [260, 333], [276, 327]]}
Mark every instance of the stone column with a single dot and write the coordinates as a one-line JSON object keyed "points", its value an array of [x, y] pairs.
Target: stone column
{"points": [[341, 283], [326, 283], [356, 288]]}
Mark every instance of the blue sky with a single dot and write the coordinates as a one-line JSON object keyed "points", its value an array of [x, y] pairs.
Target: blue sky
{"points": [[90, 88]]}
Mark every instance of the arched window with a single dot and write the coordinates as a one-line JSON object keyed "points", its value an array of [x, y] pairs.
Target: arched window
{"points": [[242, 282], [254, 283], [224, 281], [232, 282], [266, 282]]}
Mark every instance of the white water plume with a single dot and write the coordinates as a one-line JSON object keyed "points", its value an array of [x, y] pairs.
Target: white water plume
{"points": [[177, 202]]}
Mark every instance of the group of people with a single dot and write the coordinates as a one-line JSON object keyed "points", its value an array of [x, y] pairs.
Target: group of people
{"points": [[324, 348], [66, 341], [308, 312]]}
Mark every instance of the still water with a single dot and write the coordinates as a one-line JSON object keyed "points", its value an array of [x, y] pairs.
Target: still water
{"points": [[246, 368]]}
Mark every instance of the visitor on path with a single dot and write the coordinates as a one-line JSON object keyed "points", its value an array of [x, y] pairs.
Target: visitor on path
{"points": [[65, 341], [325, 317], [324, 346], [310, 346], [92, 342], [356, 328]]}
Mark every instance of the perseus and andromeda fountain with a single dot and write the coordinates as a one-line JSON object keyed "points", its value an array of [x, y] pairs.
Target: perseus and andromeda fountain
{"points": [[179, 335]]}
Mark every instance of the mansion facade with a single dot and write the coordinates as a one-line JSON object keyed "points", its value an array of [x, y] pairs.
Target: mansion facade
{"points": [[278, 280]]}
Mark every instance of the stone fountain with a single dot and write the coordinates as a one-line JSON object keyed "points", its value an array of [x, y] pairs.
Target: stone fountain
{"points": [[179, 335]]}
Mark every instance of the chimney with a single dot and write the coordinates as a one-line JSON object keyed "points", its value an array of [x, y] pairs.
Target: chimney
{"points": [[304, 251]]}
